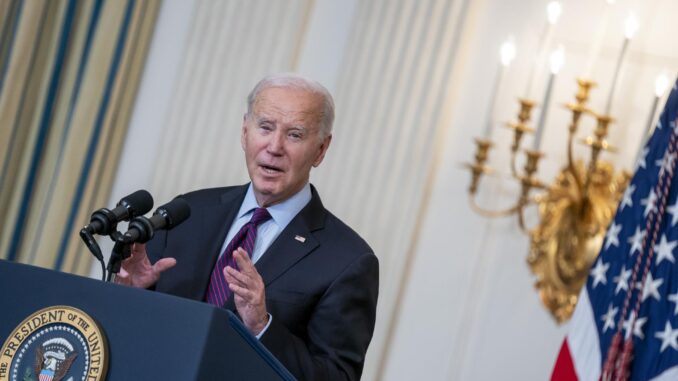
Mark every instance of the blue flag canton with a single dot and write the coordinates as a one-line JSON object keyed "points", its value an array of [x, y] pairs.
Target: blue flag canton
{"points": [[655, 328]]}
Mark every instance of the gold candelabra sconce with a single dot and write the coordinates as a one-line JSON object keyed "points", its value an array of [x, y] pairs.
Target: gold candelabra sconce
{"points": [[574, 210]]}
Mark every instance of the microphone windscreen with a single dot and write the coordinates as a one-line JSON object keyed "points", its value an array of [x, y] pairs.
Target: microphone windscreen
{"points": [[175, 212], [139, 202]]}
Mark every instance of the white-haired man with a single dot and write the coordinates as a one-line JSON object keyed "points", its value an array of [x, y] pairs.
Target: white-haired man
{"points": [[300, 279]]}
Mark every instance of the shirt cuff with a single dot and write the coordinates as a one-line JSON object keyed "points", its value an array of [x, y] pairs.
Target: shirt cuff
{"points": [[270, 319]]}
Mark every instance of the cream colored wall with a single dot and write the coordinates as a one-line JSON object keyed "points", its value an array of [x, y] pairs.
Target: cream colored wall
{"points": [[411, 81], [470, 299]]}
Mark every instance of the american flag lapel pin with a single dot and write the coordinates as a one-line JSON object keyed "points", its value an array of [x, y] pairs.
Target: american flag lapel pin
{"points": [[300, 238]]}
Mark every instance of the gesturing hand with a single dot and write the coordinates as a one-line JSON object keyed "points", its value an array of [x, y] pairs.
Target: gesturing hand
{"points": [[137, 270], [249, 292]]}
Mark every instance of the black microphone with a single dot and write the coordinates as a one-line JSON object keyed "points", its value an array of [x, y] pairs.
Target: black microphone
{"points": [[105, 221], [142, 229]]}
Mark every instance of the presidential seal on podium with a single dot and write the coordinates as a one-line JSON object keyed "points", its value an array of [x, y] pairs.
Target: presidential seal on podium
{"points": [[58, 343]]}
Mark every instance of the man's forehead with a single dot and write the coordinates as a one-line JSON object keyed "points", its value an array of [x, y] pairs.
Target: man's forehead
{"points": [[289, 98], [287, 106]]}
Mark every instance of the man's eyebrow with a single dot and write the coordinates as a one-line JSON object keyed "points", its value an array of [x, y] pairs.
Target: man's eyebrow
{"points": [[263, 118]]}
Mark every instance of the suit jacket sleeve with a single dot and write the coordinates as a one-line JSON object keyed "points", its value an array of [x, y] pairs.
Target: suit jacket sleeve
{"points": [[339, 329]]}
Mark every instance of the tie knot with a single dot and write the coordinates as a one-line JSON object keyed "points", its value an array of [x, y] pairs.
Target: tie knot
{"points": [[260, 216]]}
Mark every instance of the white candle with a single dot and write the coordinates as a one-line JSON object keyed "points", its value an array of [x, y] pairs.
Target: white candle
{"points": [[660, 86], [630, 30], [557, 60], [553, 11], [661, 83], [507, 53], [597, 41]]}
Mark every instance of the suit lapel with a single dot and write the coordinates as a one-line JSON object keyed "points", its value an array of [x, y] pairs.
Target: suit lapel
{"points": [[295, 242], [286, 251]]}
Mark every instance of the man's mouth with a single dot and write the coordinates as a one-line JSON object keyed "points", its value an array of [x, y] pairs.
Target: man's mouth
{"points": [[270, 169]]}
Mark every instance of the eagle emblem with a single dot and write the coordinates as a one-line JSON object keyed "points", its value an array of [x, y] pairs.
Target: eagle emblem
{"points": [[53, 359]]}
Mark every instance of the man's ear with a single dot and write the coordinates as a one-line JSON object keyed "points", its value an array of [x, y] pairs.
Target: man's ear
{"points": [[323, 149], [243, 132]]}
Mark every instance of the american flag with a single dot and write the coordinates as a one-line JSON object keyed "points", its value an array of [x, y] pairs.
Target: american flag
{"points": [[632, 290]]}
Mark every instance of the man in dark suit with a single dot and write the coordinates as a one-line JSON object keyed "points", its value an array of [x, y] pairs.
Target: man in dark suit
{"points": [[307, 288]]}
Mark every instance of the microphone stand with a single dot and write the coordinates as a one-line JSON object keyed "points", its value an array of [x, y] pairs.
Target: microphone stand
{"points": [[121, 251]]}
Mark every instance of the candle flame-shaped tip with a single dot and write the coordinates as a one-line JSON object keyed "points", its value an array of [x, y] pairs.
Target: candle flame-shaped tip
{"points": [[553, 11], [661, 84], [557, 59], [507, 52], [631, 26]]}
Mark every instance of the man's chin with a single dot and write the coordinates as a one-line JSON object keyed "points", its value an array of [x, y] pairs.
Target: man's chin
{"points": [[266, 191], [267, 187]]}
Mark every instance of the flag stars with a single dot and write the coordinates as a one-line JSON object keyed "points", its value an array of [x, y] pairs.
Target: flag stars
{"points": [[622, 280], [636, 241], [599, 273], [612, 238], [665, 250], [651, 287], [649, 202], [674, 298], [637, 329], [673, 211], [608, 318], [666, 163], [627, 200], [668, 336], [641, 160]]}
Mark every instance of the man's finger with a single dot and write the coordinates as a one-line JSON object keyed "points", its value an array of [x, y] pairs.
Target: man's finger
{"points": [[137, 253], [237, 275], [131, 260], [232, 280], [123, 278], [243, 260], [244, 293], [138, 248], [164, 264]]}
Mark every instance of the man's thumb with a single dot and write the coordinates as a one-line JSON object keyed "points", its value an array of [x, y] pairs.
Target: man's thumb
{"points": [[164, 264]]}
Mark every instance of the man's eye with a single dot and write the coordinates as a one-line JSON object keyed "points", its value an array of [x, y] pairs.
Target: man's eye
{"points": [[266, 127], [295, 135]]}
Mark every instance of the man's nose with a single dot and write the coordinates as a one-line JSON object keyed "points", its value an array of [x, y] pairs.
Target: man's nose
{"points": [[275, 145]]}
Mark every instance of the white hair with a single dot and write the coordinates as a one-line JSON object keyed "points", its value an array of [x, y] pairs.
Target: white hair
{"points": [[295, 81]]}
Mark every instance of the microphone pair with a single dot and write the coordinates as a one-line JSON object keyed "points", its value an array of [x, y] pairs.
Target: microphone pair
{"points": [[132, 208], [141, 229]]}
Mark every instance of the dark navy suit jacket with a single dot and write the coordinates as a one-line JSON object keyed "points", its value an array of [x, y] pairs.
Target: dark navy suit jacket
{"points": [[321, 293]]}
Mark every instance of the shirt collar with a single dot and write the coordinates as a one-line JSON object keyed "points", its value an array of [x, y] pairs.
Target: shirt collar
{"points": [[283, 212]]}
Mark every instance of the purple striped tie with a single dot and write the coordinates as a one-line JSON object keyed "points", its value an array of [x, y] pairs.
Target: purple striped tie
{"points": [[217, 291]]}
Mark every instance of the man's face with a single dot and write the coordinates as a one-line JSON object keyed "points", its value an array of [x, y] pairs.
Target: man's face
{"points": [[281, 140]]}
